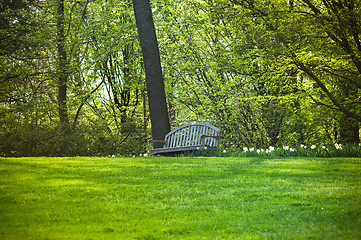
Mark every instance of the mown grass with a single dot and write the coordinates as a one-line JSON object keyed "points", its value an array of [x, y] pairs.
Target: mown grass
{"points": [[180, 198]]}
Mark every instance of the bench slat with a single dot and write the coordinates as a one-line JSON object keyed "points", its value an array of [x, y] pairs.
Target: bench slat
{"points": [[178, 137], [171, 140], [197, 136], [210, 140], [207, 132], [203, 131], [184, 136], [181, 138], [184, 139], [192, 133]]}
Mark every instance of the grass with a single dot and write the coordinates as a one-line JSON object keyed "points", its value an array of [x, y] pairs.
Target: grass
{"points": [[180, 198]]}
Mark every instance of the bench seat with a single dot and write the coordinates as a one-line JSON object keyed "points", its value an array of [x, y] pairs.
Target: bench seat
{"points": [[174, 150]]}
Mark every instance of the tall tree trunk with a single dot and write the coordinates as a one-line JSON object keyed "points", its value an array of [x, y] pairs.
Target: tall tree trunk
{"points": [[349, 127], [349, 130], [62, 73], [62, 78], [153, 71]]}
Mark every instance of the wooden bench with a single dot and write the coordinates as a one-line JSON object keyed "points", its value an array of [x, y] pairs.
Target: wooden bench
{"points": [[188, 137]]}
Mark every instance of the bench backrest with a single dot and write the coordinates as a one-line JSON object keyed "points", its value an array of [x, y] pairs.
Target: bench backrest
{"points": [[190, 135]]}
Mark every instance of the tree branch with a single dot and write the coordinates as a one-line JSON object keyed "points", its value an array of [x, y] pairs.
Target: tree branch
{"points": [[84, 101], [341, 107]]}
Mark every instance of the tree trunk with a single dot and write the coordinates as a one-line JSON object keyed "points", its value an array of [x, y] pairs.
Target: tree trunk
{"points": [[62, 78], [349, 127], [349, 130], [153, 71], [62, 73]]}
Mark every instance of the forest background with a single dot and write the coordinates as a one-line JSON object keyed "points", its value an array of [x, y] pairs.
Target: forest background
{"points": [[267, 73]]}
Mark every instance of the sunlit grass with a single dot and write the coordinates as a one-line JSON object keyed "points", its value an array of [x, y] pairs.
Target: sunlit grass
{"points": [[180, 198]]}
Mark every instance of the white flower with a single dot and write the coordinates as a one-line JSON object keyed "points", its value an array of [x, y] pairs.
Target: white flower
{"points": [[323, 147], [313, 147], [245, 149], [113, 155], [258, 151], [224, 151], [262, 150], [271, 149], [251, 149], [145, 155], [286, 147], [292, 149], [338, 146], [303, 146]]}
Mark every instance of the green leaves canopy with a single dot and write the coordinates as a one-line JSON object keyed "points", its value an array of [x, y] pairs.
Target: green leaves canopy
{"points": [[265, 72]]}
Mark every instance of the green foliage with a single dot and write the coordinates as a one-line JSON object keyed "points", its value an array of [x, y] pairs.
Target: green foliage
{"points": [[105, 98], [261, 72], [86, 140], [180, 198], [267, 73]]}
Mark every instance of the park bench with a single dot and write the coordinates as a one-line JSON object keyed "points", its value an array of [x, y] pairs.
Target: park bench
{"points": [[188, 137]]}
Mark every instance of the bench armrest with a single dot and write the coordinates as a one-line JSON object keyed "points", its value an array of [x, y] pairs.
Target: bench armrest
{"points": [[155, 141]]}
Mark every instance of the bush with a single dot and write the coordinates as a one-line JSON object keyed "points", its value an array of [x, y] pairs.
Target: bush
{"points": [[85, 140]]}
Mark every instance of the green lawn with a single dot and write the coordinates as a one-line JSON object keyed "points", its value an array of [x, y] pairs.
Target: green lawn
{"points": [[180, 198]]}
